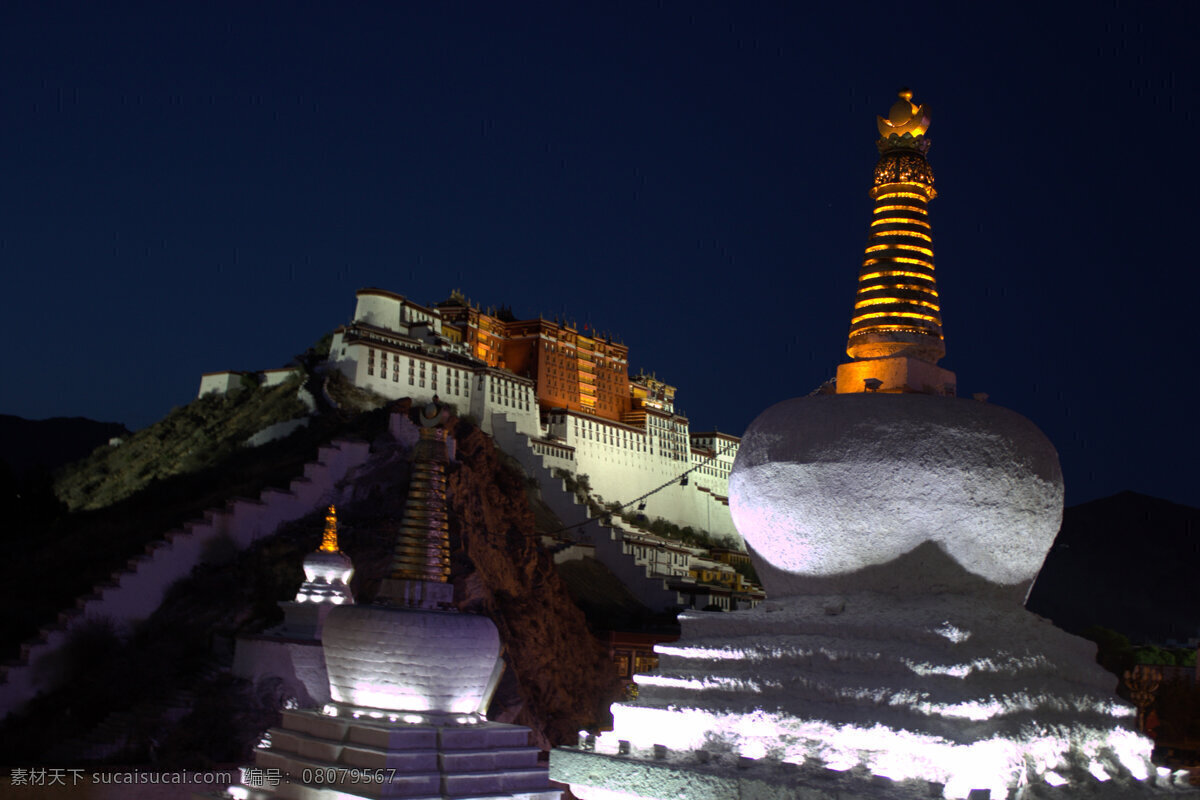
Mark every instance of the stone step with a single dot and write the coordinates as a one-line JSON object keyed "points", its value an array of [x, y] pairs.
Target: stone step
{"points": [[485, 783], [68, 616]]}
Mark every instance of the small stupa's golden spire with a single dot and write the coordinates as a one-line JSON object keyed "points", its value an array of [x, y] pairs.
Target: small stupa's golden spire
{"points": [[329, 543]]}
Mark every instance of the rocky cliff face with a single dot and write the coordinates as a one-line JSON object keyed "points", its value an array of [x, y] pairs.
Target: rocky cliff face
{"points": [[564, 680]]}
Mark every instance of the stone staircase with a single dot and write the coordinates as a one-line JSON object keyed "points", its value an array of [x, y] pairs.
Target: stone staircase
{"points": [[135, 592], [608, 539]]}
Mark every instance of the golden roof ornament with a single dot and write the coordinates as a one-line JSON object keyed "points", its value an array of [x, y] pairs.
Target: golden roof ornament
{"points": [[329, 542], [905, 125], [904, 117]]}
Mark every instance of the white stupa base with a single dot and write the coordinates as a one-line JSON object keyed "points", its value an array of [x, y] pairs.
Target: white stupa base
{"points": [[317, 756], [869, 695], [699, 776]]}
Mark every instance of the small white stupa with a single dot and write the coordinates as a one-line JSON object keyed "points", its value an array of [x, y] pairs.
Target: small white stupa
{"points": [[327, 574], [897, 530], [291, 652], [410, 679]]}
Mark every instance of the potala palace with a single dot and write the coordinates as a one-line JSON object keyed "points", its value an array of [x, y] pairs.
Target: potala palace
{"points": [[549, 394]]}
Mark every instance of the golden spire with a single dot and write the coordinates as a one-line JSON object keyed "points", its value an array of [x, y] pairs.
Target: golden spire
{"points": [[329, 543], [896, 335], [897, 312]]}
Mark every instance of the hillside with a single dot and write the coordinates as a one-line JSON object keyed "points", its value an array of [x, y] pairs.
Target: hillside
{"points": [[559, 677], [1126, 563], [190, 438], [164, 475]]}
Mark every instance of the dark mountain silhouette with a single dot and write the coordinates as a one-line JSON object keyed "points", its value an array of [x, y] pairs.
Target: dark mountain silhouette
{"points": [[43, 445], [1127, 562]]}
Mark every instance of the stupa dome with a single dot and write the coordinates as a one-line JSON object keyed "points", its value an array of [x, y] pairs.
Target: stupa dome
{"points": [[328, 566], [397, 659], [960, 494], [326, 578]]}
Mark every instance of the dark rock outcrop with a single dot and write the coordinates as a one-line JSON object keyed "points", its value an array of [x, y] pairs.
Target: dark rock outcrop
{"points": [[564, 679]]}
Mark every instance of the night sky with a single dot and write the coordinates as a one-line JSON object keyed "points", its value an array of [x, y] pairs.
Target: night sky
{"points": [[197, 187]]}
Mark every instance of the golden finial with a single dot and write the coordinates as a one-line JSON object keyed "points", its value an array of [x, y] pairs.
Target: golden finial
{"points": [[904, 117], [329, 538]]}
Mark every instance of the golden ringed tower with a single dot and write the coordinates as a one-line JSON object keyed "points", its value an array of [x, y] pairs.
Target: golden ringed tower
{"points": [[896, 326]]}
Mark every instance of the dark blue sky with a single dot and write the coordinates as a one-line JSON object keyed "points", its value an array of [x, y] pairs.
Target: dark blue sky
{"points": [[196, 187]]}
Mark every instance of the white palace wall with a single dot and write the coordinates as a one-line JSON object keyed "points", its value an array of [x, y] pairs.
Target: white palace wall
{"points": [[386, 368], [623, 463]]}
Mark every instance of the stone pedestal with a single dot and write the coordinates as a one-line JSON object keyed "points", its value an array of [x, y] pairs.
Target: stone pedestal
{"points": [[313, 755], [895, 374], [409, 687], [868, 695], [695, 775]]}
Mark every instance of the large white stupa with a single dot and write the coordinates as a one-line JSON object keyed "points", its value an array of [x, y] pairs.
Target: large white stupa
{"points": [[897, 530]]}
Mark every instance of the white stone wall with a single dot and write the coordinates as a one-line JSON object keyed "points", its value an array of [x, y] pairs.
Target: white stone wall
{"points": [[623, 464], [380, 310], [274, 377], [299, 664], [396, 313], [500, 392], [555, 455], [476, 390], [219, 382], [411, 314], [660, 556], [713, 455]]}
